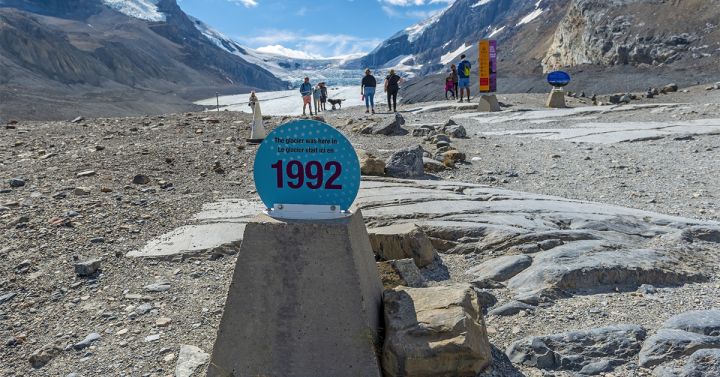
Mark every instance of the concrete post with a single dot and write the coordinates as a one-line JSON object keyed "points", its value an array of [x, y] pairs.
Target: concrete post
{"points": [[488, 103], [556, 99], [305, 300]]}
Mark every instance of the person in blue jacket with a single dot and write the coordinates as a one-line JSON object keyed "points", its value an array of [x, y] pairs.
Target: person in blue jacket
{"points": [[464, 77], [306, 92]]}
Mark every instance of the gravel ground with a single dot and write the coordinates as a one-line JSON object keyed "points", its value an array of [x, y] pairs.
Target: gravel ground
{"points": [[49, 224]]}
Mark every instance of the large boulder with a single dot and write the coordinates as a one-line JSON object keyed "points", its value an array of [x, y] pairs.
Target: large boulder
{"points": [[402, 241], [369, 164], [388, 126], [438, 331], [587, 352], [406, 163], [453, 129], [502, 268], [705, 362], [669, 344], [704, 322]]}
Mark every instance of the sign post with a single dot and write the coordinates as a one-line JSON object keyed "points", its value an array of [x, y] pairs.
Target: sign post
{"points": [[306, 294], [487, 75], [557, 79]]}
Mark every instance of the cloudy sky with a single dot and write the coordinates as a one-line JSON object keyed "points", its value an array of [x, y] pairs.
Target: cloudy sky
{"points": [[321, 28]]}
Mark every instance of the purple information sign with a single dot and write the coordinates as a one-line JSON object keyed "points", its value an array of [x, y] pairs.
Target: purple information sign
{"points": [[493, 65]]}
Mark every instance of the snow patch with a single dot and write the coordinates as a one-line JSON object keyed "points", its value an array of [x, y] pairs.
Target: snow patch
{"points": [[496, 31], [479, 3], [450, 56], [142, 9], [530, 17]]}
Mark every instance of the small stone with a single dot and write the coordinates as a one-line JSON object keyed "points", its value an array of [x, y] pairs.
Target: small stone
{"points": [[158, 287], [163, 322], [97, 240], [169, 357], [87, 341], [141, 179], [106, 189], [87, 268], [122, 332], [144, 309], [152, 338], [82, 191], [17, 182], [88, 173]]}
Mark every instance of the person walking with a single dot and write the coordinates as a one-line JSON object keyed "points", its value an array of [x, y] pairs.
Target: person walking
{"points": [[306, 93], [323, 95], [252, 101], [367, 89], [464, 77], [449, 88], [455, 78], [316, 98], [392, 85]]}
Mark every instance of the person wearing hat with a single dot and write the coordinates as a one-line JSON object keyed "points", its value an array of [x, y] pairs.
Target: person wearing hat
{"points": [[306, 93], [392, 85], [367, 89]]}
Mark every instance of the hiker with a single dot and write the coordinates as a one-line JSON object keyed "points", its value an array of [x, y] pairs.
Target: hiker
{"points": [[367, 89], [323, 95], [449, 88], [455, 78], [392, 85], [306, 93], [252, 101], [464, 77], [316, 98]]}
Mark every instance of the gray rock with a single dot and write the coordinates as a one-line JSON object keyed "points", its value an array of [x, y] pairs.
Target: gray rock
{"points": [[402, 241], [87, 341], [453, 129], [389, 126], [17, 182], [143, 309], [669, 344], [704, 322], [141, 179], [438, 138], [189, 359], [486, 284], [7, 297], [588, 351], [717, 85], [97, 240], [421, 132], [502, 268], [703, 363], [511, 308], [88, 173], [46, 353], [647, 289], [87, 268], [408, 270], [406, 163], [157, 287]]}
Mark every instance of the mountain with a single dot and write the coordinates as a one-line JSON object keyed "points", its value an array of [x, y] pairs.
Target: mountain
{"points": [[62, 57], [661, 39]]}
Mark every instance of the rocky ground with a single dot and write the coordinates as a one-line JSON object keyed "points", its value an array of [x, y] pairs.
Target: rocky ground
{"points": [[100, 188]]}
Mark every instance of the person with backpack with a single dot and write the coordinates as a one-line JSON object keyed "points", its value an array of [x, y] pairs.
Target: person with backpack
{"points": [[367, 89], [464, 77], [317, 92], [455, 78], [306, 93], [449, 87], [392, 85]]}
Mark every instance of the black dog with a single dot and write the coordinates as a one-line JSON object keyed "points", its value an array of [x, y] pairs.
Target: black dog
{"points": [[334, 102]]}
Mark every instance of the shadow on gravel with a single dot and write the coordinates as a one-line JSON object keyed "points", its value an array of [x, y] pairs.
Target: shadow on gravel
{"points": [[502, 364]]}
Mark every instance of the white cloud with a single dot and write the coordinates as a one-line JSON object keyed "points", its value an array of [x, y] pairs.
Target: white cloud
{"points": [[280, 50], [246, 3], [392, 12], [316, 46], [302, 11]]}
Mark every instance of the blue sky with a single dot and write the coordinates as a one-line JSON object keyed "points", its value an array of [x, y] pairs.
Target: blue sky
{"points": [[320, 28]]}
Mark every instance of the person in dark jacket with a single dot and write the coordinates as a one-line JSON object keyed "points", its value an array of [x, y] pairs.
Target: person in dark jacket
{"points": [[306, 92], [392, 85], [367, 89], [455, 78], [323, 95]]}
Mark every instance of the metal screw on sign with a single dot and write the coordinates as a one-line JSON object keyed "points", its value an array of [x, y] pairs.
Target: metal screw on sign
{"points": [[280, 206], [332, 208]]}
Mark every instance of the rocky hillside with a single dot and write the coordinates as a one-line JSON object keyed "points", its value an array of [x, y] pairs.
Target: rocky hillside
{"points": [[51, 50], [536, 37]]}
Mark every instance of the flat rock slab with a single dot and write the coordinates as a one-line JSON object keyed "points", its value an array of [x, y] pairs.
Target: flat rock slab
{"points": [[705, 362], [587, 352], [669, 344], [705, 322], [573, 244]]}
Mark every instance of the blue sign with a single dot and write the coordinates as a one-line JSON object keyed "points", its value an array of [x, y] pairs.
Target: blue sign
{"points": [[558, 78], [307, 162]]}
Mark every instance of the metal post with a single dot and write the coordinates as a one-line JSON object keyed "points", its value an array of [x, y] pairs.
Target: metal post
{"points": [[217, 97]]}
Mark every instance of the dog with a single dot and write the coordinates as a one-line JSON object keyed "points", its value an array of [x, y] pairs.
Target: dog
{"points": [[334, 102]]}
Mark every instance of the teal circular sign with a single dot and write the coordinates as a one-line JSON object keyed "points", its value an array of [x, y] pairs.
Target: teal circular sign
{"points": [[307, 162]]}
